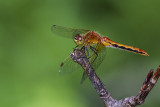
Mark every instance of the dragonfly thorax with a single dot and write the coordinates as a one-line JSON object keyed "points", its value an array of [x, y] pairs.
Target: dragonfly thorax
{"points": [[78, 39]]}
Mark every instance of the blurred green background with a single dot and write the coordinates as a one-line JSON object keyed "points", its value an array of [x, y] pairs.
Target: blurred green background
{"points": [[30, 54]]}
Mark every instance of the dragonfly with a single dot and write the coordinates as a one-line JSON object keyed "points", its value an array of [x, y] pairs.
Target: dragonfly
{"points": [[94, 44]]}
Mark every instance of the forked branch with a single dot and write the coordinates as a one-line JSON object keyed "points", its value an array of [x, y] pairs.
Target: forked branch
{"points": [[78, 55]]}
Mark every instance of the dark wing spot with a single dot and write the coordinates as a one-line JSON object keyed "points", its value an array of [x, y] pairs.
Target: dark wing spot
{"points": [[62, 64], [54, 26]]}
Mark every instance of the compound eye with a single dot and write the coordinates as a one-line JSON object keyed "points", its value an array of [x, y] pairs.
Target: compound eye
{"points": [[78, 37], [75, 37]]}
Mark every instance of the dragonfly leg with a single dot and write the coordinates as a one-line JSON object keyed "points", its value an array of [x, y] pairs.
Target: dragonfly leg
{"points": [[95, 52], [75, 47], [93, 49], [87, 51]]}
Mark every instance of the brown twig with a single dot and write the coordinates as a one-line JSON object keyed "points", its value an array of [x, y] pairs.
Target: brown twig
{"points": [[78, 55]]}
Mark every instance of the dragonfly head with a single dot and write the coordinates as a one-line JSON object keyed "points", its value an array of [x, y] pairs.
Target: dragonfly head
{"points": [[78, 39]]}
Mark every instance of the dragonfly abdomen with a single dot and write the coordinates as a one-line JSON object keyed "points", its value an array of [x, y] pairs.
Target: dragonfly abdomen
{"points": [[109, 43], [130, 48]]}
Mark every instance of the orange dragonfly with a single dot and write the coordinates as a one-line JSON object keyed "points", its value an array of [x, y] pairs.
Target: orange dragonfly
{"points": [[95, 47]]}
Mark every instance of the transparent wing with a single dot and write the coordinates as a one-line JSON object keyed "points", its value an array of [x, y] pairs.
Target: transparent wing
{"points": [[67, 32], [68, 66], [95, 60]]}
